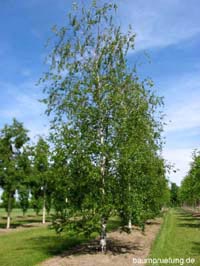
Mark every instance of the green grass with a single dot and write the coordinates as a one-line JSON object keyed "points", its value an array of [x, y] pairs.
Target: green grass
{"points": [[16, 212], [179, 237], [17, 218], [29, 247]]}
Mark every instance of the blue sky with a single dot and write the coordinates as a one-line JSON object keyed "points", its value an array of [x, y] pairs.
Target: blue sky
{"points": [[168, 30]]}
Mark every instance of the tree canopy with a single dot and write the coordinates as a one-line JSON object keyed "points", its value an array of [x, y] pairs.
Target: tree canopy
{"points": [[106, 127]]}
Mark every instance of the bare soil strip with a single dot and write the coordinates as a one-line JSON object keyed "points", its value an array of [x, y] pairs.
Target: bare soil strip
{"points": [[121, 249]]}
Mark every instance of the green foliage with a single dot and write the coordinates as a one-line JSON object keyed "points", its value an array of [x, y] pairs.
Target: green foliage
{"points": [[190, 187], [5, 199], [40, 181], [13, 166], [174, 195], [23, 189], [12, 139], [23, 198], [36, 202], [106, 128]]}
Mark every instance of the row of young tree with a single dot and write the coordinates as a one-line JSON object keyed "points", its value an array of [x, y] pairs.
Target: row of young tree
{"points": [[189, 192], [105, 135], [24, 170]]}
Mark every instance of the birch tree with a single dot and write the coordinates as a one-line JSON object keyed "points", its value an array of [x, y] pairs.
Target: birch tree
{"points": [[102, 115]]}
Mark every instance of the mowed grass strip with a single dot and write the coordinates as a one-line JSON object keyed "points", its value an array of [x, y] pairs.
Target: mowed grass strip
{"points": [[179, 238]]}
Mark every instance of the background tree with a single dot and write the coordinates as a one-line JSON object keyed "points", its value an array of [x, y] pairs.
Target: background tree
{"points": [[25, 163], [40, 183], [140, 166], [12, 139], [24, 198], [174, 195], [190, 186]]}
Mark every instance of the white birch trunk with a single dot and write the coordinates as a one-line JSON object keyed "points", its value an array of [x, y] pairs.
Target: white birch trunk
{"points": [[130, 221], [9, 211], [102, 169], [44, 210], [8, 221], [130, 224]]}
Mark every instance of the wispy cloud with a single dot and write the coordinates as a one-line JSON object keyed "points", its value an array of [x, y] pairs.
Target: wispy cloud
{"points": [[22, 102], [182, 133], [181, 159], [9, 114], [161, 23], [185, 116], [183, 108]]}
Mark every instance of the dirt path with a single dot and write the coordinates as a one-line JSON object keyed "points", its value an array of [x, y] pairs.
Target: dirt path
{"points": [[122, 248]]}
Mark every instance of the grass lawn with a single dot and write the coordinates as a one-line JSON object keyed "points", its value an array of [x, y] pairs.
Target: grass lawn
{"points": [[31, 246], [16, 212], [179, 238], [18, 219]]}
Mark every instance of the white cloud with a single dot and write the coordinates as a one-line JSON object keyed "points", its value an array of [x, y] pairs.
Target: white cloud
{"points": [[181, 159], [183, 109], [160, 23], [182, 103], [184, 116], [21, 101]]}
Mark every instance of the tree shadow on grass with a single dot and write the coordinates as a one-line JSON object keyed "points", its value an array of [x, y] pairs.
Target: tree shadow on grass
{"points": [[22, 221], [56, 245], [189, 220], [196, 248], [52, 245], [190, 225], [12, 226], [183, 214]]}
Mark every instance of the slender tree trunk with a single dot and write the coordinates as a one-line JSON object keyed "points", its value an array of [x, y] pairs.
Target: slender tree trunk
{"points": [[102, 167], [129, 221], [103, 222], [130, 224], [44, 208], [9, 210]]}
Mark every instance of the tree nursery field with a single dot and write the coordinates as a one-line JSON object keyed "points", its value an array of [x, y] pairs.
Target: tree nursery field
{"points": [[175, 238], [93, 187]]}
